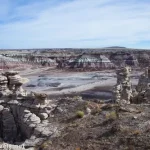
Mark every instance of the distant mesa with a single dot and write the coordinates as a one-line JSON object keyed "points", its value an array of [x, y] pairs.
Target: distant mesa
{"points": [[96, 62], [115, 47]]}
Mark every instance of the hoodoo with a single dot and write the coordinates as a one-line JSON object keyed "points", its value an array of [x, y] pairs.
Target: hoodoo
{"points": [[123, 89], [125, 93], [24, 117]]}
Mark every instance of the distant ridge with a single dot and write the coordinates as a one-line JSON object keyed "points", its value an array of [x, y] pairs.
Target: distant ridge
{"points": [[115, 47]]}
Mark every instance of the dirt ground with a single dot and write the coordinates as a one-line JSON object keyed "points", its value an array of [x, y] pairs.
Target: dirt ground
{"points": [[108, 127]]}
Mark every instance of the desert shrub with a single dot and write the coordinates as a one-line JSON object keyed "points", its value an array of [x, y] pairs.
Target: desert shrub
{"points": [[136, 132], [125, 129], [111, 115], [77, 98], [96, 111], [73, 125], [95, 108], [80, 114]]}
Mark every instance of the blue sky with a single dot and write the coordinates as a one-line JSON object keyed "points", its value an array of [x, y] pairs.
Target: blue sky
{"points": [[74, 23]]}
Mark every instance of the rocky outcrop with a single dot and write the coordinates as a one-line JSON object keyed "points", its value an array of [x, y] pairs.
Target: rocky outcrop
{"points": [[123, 90], [143, 87], [144, 59], [11, 84], [131, 61], [21, 121], [40, 98], [9, 63], [4, 91], [33, 59], [144, 80], [123, 59], [24, 118]]}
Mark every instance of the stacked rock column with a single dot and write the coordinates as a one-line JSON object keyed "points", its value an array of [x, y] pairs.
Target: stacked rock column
{"points": [[123, 90], [15, 83], [4, 91], [3, 83]]}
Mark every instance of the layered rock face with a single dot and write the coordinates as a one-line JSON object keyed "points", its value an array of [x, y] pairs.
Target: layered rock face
{"points": [[33, 59], [91, 62], [122, 59], [9, 63], [24, 118], [144, 59]]}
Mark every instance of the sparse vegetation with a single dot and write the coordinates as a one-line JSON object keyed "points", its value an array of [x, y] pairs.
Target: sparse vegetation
{"points": [[136, 132], [95, 108], [125, 129], [111, 115], [77, 98], [80, 114], [96, 111]]}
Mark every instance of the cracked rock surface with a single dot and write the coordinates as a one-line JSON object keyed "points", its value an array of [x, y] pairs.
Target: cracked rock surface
{"points": [[21, 123]]}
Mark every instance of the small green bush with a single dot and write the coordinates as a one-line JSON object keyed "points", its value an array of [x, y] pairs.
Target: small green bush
{"points": [[111, 115], [80, 114]]}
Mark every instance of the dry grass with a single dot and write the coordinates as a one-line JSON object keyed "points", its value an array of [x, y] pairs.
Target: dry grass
{"points": [[111, 115], [95, 108], [45, 145], [136, 132]]}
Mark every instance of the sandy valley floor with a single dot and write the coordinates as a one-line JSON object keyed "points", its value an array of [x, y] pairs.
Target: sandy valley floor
{"points": [[61, 82]]}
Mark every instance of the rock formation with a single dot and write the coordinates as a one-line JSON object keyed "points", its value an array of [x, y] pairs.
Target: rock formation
{"points": [[144, 59], [33, 59], [25, 117], [131, 60], [92, 62], [123, 90], [4, 91], [15, 82], [143, 87], [117, 93], [40, 98], [122, 59], [144, 80], [9, 63], [123, 75]]}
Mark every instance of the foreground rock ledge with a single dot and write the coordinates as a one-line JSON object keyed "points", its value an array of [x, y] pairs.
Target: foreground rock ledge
{"points": [[24, 117]]}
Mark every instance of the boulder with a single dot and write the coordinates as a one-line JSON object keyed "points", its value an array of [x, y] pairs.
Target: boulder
{"points": [[43, 116]]}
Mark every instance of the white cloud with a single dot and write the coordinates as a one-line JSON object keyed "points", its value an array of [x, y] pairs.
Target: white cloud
{"points": [[78, 23]]}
